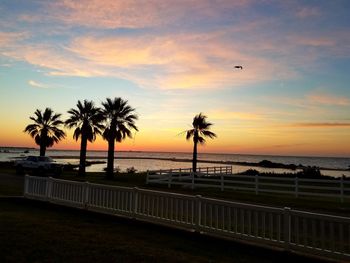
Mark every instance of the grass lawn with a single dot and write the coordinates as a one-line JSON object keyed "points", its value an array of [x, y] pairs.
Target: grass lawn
{"points": [[32, 231]]}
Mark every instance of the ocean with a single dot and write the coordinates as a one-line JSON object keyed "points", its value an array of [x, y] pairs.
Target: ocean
{"points": [[165, 160]]}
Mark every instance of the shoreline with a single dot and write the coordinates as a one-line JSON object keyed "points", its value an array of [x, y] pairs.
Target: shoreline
{"points": [[262, 164]]}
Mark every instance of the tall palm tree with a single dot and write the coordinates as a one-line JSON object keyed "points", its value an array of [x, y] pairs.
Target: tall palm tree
{"points": [[88, 122], [120, 120], [198, 132], [46, 129]]}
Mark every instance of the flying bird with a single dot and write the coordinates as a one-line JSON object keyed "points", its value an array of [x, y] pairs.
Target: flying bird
{"points": [[239, 67]]}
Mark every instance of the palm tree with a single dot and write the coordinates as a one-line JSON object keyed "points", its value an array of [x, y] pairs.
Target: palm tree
{"points": [[120, 120], [198, 132], [88, 122], [46, 129]]}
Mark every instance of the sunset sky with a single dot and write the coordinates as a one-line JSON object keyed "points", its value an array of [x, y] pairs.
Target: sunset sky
{"points": [[174, 59]]}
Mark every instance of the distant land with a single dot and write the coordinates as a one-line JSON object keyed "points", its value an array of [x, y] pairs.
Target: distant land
{"points": [[16, 148]]}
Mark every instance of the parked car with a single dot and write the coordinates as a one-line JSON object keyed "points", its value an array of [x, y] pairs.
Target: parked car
{"points": [[39, 165]]}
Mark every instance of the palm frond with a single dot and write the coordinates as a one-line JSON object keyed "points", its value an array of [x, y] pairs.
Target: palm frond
{"points": [[189, 134], [46, 127], [119, 117]]}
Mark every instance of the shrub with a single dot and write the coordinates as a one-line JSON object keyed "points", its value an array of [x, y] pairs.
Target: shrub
{"points": [[251, 172], [131, 170], [310, 172]]}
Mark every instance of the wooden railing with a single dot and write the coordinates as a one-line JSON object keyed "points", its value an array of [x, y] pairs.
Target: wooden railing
{"points": [[319, 234], [336, 188], [202, 171]]}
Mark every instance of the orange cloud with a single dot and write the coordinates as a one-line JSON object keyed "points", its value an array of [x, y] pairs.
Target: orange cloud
{"points": [[314, 41], [176, 62], [328, 99], [8, 38], [57, 63], [136, 14]]}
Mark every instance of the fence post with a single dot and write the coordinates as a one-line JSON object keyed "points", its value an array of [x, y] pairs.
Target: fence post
{"points": [[26, 184], [169, 180], [222, 182], [48, 188], [192, 183], [136, 202], [198, 213], [256, 184], [86, 194], [296, 187], [342, 189], [147, 179], [287, 227]]}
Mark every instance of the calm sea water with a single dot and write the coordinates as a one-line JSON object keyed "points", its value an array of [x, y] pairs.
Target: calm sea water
{"points": [[146, 164]]}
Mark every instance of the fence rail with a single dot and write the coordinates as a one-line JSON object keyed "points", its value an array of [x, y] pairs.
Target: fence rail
{"points": [[317, 234], [224, 179]]}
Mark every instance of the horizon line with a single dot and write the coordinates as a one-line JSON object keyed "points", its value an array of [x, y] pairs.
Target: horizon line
{"points": [[145, 151]]}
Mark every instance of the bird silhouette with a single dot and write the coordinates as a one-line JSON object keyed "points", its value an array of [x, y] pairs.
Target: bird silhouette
{"points": [[239, 67]]}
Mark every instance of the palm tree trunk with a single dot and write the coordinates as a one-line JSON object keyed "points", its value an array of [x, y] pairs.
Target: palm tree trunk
{"points": [[43, 143], [110, 158], [194, 160], [82, 163], [42, 149]]}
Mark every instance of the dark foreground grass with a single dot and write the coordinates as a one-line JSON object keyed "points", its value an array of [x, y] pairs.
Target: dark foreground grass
{"points": [[32, 231]]}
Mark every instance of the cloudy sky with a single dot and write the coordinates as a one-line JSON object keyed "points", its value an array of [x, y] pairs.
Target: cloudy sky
{"points": [[174, 59]]}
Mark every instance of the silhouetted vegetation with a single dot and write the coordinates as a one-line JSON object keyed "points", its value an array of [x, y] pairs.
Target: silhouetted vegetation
{"points": [[120, 119], [198, 132], [88, 122], [46, 129], [309, 172], [269, 164], [131, 170]]}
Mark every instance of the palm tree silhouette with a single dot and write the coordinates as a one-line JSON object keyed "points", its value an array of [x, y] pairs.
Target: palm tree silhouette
{"points": [[45, 129], [198, 132], [88, 122], [120, 120]]}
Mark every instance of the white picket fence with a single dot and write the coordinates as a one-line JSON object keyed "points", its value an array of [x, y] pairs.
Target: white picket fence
{"points": [[319, 234], [223, 179]]}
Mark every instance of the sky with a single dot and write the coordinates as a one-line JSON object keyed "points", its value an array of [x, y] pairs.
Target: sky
{"points": [[174, 59]]}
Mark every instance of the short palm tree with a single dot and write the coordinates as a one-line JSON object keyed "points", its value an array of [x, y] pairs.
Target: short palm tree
{"points": [[46, 129], [120, 120], [198, 132], [88, 122]]}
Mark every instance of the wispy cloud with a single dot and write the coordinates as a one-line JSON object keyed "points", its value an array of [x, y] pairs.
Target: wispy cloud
{"points": [[197, 61], [322, 125], [308, 12], [36, 84], [232, 115], [328, 99], [8, 38], [137, 14], [314, 41], [177, 61]]}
